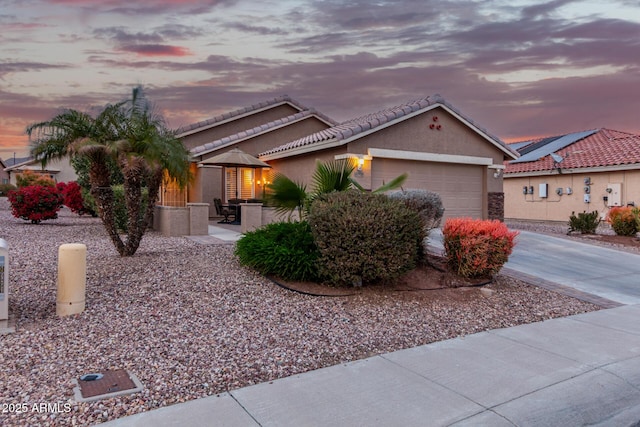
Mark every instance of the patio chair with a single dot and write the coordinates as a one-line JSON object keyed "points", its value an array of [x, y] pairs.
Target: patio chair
{"points": [[223, 211]]}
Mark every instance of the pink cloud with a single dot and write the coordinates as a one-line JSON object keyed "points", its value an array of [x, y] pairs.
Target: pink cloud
{"points": [[156, 50]]}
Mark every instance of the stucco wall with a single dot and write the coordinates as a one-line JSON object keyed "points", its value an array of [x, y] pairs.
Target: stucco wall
{"points": [[273, 138], [300, 168], [207, 186], [559, 207], [64, 170], [238, 125], [415, 134]]}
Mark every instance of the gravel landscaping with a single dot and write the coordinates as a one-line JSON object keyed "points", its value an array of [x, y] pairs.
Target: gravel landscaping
{"points": [[189, 322]]}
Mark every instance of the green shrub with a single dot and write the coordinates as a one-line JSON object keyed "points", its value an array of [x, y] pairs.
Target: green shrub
{"points": [[623, 220], [364, 237], [120, 207], [284, 249], [5, 188], [477, 248], [584, 222], [89, 202], [426, 203]]}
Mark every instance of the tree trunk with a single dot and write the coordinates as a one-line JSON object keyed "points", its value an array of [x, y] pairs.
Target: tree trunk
{"points": [[132, 170], [102, 193], [154, 179]]}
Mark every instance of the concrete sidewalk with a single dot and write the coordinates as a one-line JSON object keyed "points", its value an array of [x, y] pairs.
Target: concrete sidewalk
{"points": [[574, 371]]}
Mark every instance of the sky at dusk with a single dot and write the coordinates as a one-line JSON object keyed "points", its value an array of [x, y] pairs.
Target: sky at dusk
{"points": [[519, 68]]}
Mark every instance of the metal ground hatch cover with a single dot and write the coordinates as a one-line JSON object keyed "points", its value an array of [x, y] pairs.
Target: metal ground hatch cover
{"points": [[107, 384]]}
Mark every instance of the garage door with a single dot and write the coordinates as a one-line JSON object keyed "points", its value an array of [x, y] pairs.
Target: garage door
{"points": [[459, 186]]}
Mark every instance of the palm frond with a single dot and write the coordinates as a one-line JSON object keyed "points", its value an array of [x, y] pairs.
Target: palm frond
{"points": [[393, 184], [286, 195], [333, 176]]}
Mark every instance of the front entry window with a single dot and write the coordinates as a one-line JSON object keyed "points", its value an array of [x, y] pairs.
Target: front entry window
{"points": [[239, 183]]}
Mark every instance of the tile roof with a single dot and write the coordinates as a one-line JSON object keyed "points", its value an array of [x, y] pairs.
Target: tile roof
{"points": [[231, 139], [550, 145], [604, 147], [205, 124], [353, 127]]}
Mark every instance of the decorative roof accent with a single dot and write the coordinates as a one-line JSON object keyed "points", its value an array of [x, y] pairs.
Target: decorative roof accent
{"points": [[232, 139], [232, 115], [369, 122], [601, 148]]}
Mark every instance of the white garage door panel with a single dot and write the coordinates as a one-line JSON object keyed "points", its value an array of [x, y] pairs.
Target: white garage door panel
{"points": [[459, 186]]}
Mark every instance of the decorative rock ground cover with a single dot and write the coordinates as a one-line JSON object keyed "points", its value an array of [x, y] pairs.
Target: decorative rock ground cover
{"points": [[188, 321]]}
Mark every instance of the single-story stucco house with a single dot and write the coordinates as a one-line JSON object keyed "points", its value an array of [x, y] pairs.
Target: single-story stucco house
{"points": [[576, 172], [441, 149], [4, 175], [253, 129], [59, 170]]}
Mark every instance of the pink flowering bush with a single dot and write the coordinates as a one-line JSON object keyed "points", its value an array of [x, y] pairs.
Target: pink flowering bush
{"points": [[35, 203], [72, 195], [477, 248]]}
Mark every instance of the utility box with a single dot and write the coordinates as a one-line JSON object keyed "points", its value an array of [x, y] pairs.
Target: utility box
{"points": [[543, 190], [614, 195], [4, 280]]}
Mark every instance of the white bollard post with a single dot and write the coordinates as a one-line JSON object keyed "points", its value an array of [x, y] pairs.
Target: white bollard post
{"points": [[72, 279], [4, 280]]}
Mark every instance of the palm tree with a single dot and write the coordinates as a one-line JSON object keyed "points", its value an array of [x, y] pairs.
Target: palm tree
{"points": [[287, 195], [135, 136]]}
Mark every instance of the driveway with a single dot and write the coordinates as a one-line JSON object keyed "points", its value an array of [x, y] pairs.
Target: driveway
{"points": [[607, 273]]}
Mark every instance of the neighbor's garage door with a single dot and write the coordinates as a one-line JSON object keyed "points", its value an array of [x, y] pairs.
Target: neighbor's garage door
{"points": [[459, 186]]}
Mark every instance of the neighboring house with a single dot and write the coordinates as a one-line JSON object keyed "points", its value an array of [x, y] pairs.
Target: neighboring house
{"points": [[4, 175], [58, 170], [577, 172], [441, 149]]}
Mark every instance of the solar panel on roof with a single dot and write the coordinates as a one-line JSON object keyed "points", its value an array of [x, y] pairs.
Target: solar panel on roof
{"points": [[552, 146], [517, 145], [538, 144]]}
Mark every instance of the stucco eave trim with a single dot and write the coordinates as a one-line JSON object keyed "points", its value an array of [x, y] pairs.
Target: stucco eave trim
{"points": [[429, 157]]}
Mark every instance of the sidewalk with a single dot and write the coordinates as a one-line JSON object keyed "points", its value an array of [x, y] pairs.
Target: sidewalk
{"points": [[574, 371]]}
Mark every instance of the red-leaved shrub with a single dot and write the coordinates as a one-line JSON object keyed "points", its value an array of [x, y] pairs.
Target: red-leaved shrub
{"points": [[35, 203], [623, 220], [477, 248], [72, 194]]}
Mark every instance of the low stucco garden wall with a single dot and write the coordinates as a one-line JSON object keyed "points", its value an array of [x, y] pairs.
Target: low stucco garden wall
{"points": [[192, 220]]}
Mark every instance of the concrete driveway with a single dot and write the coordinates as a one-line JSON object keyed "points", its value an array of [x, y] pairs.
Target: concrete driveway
{"points": [[607, 273]]}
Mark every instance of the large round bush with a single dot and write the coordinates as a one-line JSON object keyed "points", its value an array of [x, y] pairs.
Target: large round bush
{"points": [[364, 237], [284, 249], [35, 203], [623, 220]]}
